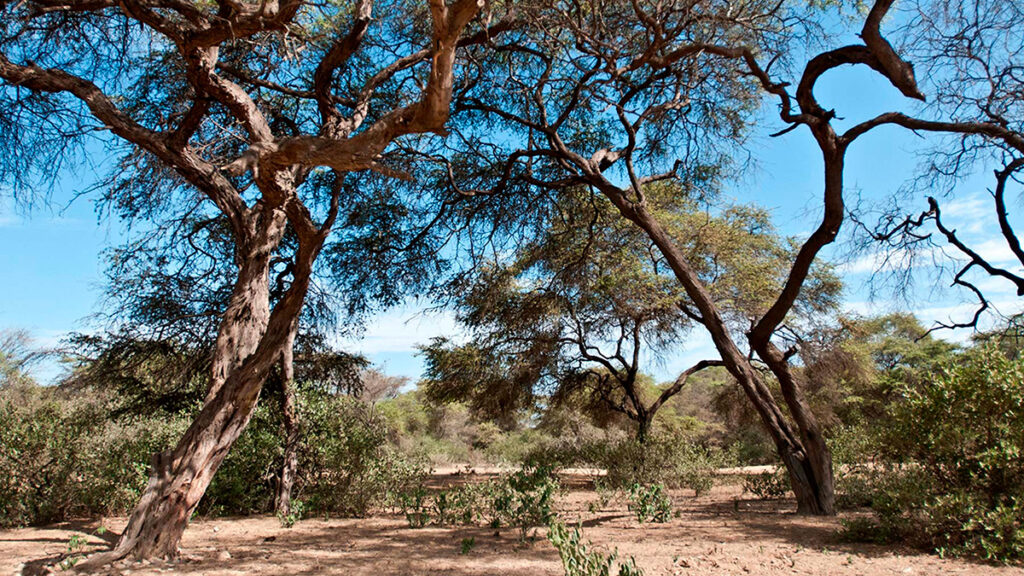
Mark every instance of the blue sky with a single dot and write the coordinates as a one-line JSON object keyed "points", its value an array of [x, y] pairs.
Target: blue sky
{"points": [[51, 254]]}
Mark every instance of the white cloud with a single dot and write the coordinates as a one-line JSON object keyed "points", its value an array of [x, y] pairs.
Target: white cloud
{"points": [[964, 312], [995, 250], [971, 214], [882, 261], [403, 329]]}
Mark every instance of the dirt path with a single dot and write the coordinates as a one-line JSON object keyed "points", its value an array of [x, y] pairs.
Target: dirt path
{"points": [[721, 533]]}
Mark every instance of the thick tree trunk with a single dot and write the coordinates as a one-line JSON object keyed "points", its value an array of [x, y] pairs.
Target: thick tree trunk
{"points": [[180, 477], [283, 504], [811, 485], [643, 428]]}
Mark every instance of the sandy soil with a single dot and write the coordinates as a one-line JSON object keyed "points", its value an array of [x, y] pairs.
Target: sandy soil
{"points": [[724, 532]]}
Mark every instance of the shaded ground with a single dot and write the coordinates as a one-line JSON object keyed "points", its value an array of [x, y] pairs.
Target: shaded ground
{"points": [[724, 532]]}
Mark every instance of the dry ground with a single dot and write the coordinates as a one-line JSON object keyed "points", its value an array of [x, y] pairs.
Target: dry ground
{"points": [[724, 532]]}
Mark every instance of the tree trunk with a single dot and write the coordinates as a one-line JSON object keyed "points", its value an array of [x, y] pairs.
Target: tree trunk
{"points": [[818, 463], [283, 503], [811, 485], [180, 477], [643, 428]]}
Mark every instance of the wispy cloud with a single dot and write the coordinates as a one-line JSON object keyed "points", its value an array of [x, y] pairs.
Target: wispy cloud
{"points": [[403, 329], [969, 214]]}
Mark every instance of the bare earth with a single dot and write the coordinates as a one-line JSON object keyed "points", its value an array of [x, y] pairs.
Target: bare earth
{"points": [[725, 532]]}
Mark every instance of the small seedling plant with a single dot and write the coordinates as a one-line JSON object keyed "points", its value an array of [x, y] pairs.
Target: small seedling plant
{"points": [[650, 503], [577, 557]]}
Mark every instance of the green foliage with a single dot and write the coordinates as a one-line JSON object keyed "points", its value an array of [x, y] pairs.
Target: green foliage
{"points": [[852, 368], [953, 468], [294, 515], [415, 506], [865, 529], [346, 465], [650, 503], [768, 485], [522, 499], [65, 454], [62, 458], [467, 545], [577, 557], [662, 459]]}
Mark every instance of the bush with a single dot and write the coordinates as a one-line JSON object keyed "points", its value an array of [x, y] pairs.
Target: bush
{"points": [[62, 457], [954, 470], [673, 462], [768, 485], [66, 455], [346, 464], [522, 499], [650, 503], [579, 560]]}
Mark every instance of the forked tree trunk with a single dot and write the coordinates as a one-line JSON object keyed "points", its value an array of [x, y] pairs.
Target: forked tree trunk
{"points": [[283, 504], [804, 454], [818, 461]]}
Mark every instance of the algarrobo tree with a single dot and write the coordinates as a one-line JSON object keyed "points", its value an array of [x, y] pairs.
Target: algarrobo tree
{"points": [[573, 310], [234, 112], [166, 292], [613, 89]]}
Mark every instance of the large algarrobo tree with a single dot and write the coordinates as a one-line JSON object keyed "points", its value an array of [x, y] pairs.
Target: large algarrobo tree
{"points": [[605, 93], [231, 108], [578, 312]]}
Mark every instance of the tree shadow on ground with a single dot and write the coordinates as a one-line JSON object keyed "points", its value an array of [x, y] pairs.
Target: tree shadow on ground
{"points": [[371, 547]]}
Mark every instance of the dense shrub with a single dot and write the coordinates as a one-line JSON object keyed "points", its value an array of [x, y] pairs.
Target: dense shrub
{"points": [[768, 485], [346, 465], [662, 459], [953, 472], [64, 455]]}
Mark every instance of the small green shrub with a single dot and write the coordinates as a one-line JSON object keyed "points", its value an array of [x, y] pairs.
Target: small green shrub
{"points": [[415, 506], [650, 503], [524, 499], [866, 529], [579, 560], [63, 456], [294, 514], [66, 454], [768, 485]]}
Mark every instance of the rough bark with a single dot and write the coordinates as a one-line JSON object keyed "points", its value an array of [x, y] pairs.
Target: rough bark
{"points": [[251, 336], [180, 477], [283, 503]]}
